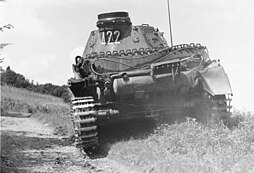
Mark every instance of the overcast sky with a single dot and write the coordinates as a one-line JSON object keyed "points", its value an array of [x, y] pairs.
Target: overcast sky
{"points": [[48, 34]]}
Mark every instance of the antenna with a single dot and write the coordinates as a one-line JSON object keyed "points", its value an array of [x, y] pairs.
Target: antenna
{"points": [[170, 29]]}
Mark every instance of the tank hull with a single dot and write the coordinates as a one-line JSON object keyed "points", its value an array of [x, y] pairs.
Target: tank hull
{"points": [[128, 72], [149, 93]]}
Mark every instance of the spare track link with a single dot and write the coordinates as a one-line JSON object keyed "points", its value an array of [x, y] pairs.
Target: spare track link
{"points": [[84, 122]]}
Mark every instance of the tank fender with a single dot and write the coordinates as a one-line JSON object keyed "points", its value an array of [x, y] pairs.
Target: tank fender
{"points": [[215, 81]]}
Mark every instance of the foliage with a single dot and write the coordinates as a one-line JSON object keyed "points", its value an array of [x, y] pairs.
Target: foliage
{"points": [[11, 78], [48, 109], [3, 45], [191, 147]]}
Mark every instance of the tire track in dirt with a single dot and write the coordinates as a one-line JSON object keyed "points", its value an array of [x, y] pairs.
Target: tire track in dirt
{"points": [[27, 145]]}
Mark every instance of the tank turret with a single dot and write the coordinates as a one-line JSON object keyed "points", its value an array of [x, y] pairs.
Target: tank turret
{"points": [[116, 34]]}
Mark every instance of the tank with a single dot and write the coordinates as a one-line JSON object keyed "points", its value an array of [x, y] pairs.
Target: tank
{"points": [[129, 72]]}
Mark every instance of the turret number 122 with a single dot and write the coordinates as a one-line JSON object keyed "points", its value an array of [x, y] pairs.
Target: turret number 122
{"points": [[110, 37]]}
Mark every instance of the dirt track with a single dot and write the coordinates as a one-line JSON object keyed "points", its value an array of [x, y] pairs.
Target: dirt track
{"points": [[30, 146]]}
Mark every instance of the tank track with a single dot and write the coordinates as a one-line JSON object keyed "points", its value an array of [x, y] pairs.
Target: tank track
{"points": [[84, 120], [221, 108], [212, 109]]}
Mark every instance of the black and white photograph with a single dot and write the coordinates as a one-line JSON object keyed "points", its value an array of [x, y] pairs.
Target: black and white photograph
{"points": [[127, 86]]}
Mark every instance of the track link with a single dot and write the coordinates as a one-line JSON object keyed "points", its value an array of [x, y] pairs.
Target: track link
{"points": [[84, 122], [212, 109], [221, 108]]}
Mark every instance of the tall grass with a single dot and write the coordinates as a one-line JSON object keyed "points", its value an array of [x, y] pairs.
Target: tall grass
{"points": [[191, 147], [18, 99], [48, 109]]}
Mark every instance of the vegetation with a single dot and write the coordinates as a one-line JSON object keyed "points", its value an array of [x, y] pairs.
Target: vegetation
{"points": [[48, 109], [192, 147], [3, 45], [11, 78]]}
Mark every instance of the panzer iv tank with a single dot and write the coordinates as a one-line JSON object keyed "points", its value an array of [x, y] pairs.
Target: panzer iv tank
{"points": [[129, 72]]}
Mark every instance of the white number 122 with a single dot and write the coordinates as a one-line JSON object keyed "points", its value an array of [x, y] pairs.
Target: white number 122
{"points": [[110, 37]]}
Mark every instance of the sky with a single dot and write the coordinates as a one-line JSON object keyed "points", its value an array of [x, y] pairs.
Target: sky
{"points": [[47, 34]]}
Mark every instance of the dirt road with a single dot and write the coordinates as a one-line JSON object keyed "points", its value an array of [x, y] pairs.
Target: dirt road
{"points": [[30, 146]]}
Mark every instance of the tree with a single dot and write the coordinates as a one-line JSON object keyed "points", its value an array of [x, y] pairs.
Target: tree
{"points": [[10, 76], [2, 45]]}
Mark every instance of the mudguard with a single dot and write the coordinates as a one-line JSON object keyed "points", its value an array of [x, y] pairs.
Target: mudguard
{"points": [[215, 81]]}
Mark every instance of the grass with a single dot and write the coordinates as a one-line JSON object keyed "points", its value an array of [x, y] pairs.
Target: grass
{"points": [[186, 147], [192, 147], [48, 109]]}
